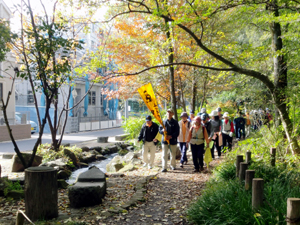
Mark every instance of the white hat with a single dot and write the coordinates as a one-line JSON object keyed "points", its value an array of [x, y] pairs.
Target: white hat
{"points": [[203, 110], [214, 113], [226, 114]]}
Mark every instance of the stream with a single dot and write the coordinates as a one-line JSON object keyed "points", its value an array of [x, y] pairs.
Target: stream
{"points": [[100, 164]]}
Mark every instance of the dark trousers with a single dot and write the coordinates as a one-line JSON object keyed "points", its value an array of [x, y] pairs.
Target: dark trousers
{"points": [[197, 153], [226, 140], [183, 149], [218, 147], [240, 129]]}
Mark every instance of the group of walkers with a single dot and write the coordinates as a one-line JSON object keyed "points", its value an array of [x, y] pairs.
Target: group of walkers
{"points": [[193, 131]]}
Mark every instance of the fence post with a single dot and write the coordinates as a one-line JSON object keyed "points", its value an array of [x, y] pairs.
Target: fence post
{"points": [[248, 179], [243, 168], [239, 159], [248, 157], [273, 156], [293, 211], [257, 192]]}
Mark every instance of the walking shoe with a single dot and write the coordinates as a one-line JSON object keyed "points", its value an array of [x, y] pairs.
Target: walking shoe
{"points": [[201, 169], [173, 168], [218, 157], [164, 170], [145, 164], [149, 167], [196, 171], [186, 162], [181, 165]]}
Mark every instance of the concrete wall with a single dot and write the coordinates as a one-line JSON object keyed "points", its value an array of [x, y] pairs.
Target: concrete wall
{"points": [[21, 131]]}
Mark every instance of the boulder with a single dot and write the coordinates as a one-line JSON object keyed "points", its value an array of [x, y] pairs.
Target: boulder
{"points": [[130, 148], [61, 163], [122, 152], [115, 164], [85, 149], [83, 165], [112, 149], [136, 161], [129, 156], [89, 189], [94, 152], [102, 139], [62, 184], [100, 157], [128, 167], [17, 165], [121, 137], [63, 174], [72, 156], [96, 148], [93, 174], [87, 157]]}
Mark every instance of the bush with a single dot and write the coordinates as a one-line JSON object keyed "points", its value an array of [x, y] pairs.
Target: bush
{"points": [[225, 171], [12, 186]]}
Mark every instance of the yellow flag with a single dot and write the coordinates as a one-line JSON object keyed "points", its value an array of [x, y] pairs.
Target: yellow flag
{"points": [[149, 98]]}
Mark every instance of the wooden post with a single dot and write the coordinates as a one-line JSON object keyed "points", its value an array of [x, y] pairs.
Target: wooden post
{"points": [[239, 159], [248, 157], [257, 192], [243, 168], [248, 179], [293, 211], [41, 193], [19, 219], [273, 156]]}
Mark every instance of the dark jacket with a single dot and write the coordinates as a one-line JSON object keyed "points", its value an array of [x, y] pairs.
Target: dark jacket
{"points": [[239, 122], [152, 132], [207, 125], [172, 128]]}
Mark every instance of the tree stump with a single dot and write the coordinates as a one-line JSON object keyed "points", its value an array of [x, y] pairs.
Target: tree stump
{"points": [[273, 156], [248, 179], [239, 159], [293, 211], [257, 192], [242, 172], [41, 193], [248, 157]]}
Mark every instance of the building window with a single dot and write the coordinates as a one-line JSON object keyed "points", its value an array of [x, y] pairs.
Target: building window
{"points": [[1, 92], [30, 99], [92, 98]]}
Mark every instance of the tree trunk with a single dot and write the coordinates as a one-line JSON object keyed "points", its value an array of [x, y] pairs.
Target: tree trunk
{"points": [[182, 95], [171, 68], [194, 91], [41, 193], [280, 80]]}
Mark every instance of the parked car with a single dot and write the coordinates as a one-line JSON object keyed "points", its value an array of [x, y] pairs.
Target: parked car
{"points": [[32, 123]]}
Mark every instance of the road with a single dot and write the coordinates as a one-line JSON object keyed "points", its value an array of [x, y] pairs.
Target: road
{"points": [[26, 145]]}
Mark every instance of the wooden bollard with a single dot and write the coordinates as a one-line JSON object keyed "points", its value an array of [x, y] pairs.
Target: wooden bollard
{"points": [[248, 179], [239, 159], [293, 211], [41, 193], [273, 156], [243, 168], [257, 192], [248, 157]]}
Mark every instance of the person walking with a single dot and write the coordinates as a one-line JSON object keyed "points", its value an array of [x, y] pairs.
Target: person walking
{"points": [[219, 110], [172, 129], [147, 135], [184, 126], [240, 123], [196, 137], [227, 131], [215, 133], [248, 124], [206, 122], [192, 116]]}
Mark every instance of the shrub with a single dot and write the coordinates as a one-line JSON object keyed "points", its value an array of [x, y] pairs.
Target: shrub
{"points": [[12, 186], [225, 171]]}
